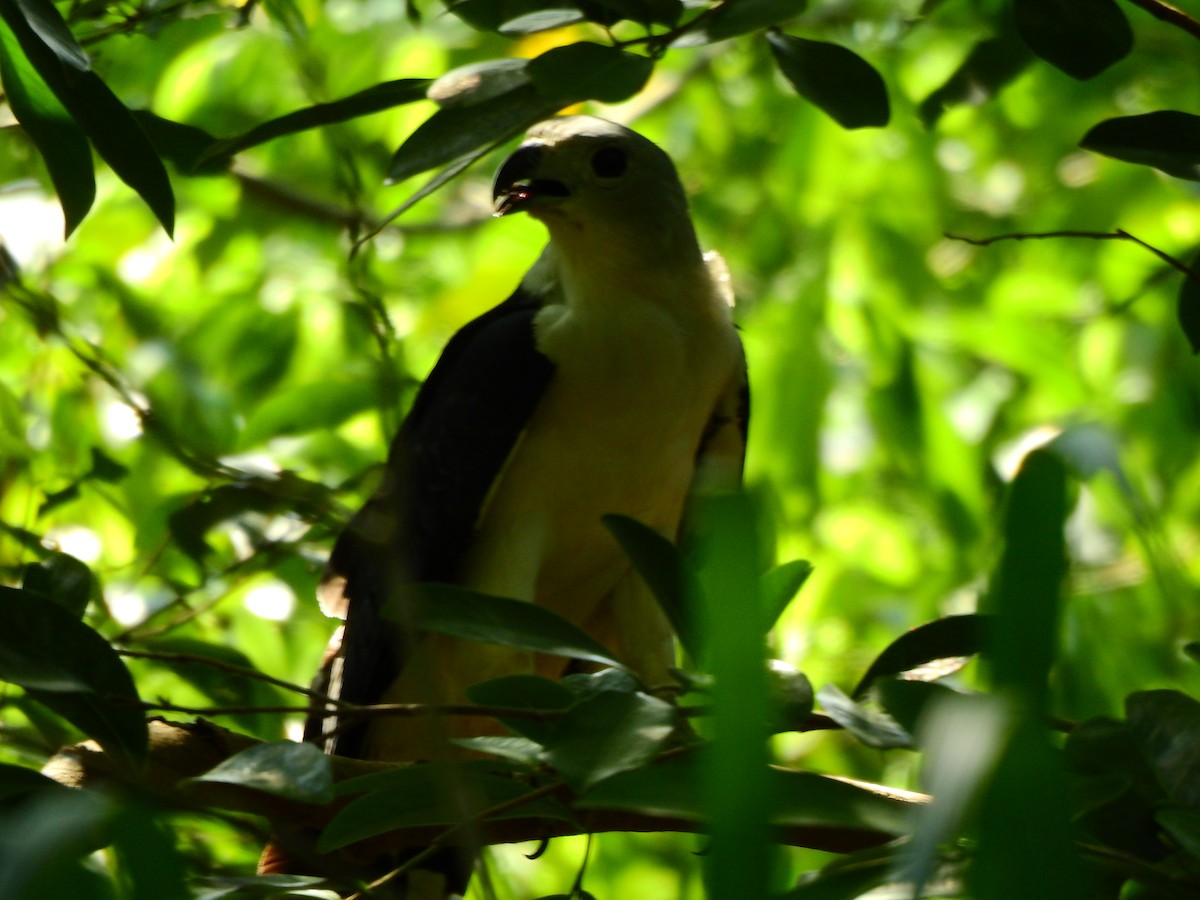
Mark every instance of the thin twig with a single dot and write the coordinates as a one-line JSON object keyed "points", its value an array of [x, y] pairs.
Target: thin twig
{"points": [[351, 710], [241, 671], [1118, 235], [1172, 15]]}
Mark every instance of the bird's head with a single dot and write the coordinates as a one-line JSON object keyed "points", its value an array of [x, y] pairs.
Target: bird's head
{"points": [[592, 181]]}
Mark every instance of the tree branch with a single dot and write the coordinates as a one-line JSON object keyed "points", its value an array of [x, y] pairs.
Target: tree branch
{"points": [[1172, 15]]}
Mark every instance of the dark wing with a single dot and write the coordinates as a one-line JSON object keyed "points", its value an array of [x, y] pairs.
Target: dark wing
{"points": [[419, 525]]}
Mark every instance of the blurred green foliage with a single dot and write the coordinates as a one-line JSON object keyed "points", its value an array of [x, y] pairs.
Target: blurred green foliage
{"points": [[193, 417]]}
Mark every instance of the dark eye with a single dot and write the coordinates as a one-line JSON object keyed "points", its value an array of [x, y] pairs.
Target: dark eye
{"points": [[609, 162]]}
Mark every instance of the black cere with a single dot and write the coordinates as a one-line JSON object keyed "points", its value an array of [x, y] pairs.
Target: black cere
{"points": [[609, 162]]}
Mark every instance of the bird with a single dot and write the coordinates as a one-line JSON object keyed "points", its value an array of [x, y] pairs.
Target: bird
{"points": [[612, 381]]}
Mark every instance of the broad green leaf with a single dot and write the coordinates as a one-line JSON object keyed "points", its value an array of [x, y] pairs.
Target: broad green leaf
{"points": [[18, 780], [1027, 588], [308, 407], [780, 586], [379, 97], [478, 82], [523, 692], [1167, 140], [1080, 37], [989, 66], [1166, 726], [63, 579], [608, 733], [836, 80], [847, 877], [675, 787], [431, 795], [791, 695], [735, 17], [516, 749], [69, 668], [905, 701], [492, 15], [541, 20], [147, 860], [184, 146], [1183, 825], [458, 131], [111, 127], [644, 12], [46, 22], [244, 887], [458, 612], [61, 142], [928, 652], [665, 571], [875, 729], [298, 772], [587, 71], [1189, 307]]}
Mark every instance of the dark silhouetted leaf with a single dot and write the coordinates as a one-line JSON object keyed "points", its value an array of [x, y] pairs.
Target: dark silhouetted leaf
{"points": [[742, 16], [542, 20], [478, 82], [62, 578], [608, 733], [791, 694], [906, 701], [436, 794], [1080, 37], [1167, 140], [944, 646], [1166, 726], [587, 71], [517, 749], [69, 668], [523, 692], [875, 729], [46, 22], [458, 612], [491, 15], [780, 586], [245, 887], [184, 146], [1189, 307], [298, 772], [62, 143], [665, 572], [990, 65], [836, 80]]}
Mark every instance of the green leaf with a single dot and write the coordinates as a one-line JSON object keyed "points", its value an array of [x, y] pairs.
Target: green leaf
{"points": [[1184, 828], [587, 71], [270, 887], [608, 733], [62, 579], [298, 772], [379, 97], [780, 586], [875, 729], [791, 695], [1189, 307], [991, 64], [666, 573], [516, 749], [69, 668], [61, 142], [184, 146], [523, 692], [310, 407], [492, 15], [734, 17], [434, 794], [836, 80], [906, 701], [1027, 588], [541, 20], [1166, 726], [1080, 37], [676, 787], [147, 860], [457, 131], [928, 652], [1167, 140], [479, 82], [111, 127], [48, 25], [458, 612]]}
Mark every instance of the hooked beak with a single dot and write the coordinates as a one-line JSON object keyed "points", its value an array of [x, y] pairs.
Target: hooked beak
{"points": [[516, 186]]}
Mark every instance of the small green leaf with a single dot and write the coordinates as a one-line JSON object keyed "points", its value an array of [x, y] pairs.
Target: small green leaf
{"points": [[541, 20], [46, 22], [1080, 37], [523, 692], [63, 579], [928, 652], [69, 668], [62, 143], [837, 80], [516, 749], [458, 612], [990, 65], [875, 729], [316, 406], [1167, 140], [298, 772], [184, 146], [587, 71], [435, 794], [780, 586], [608, 733], [735, 17], [791, 695], [666, 573]]}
